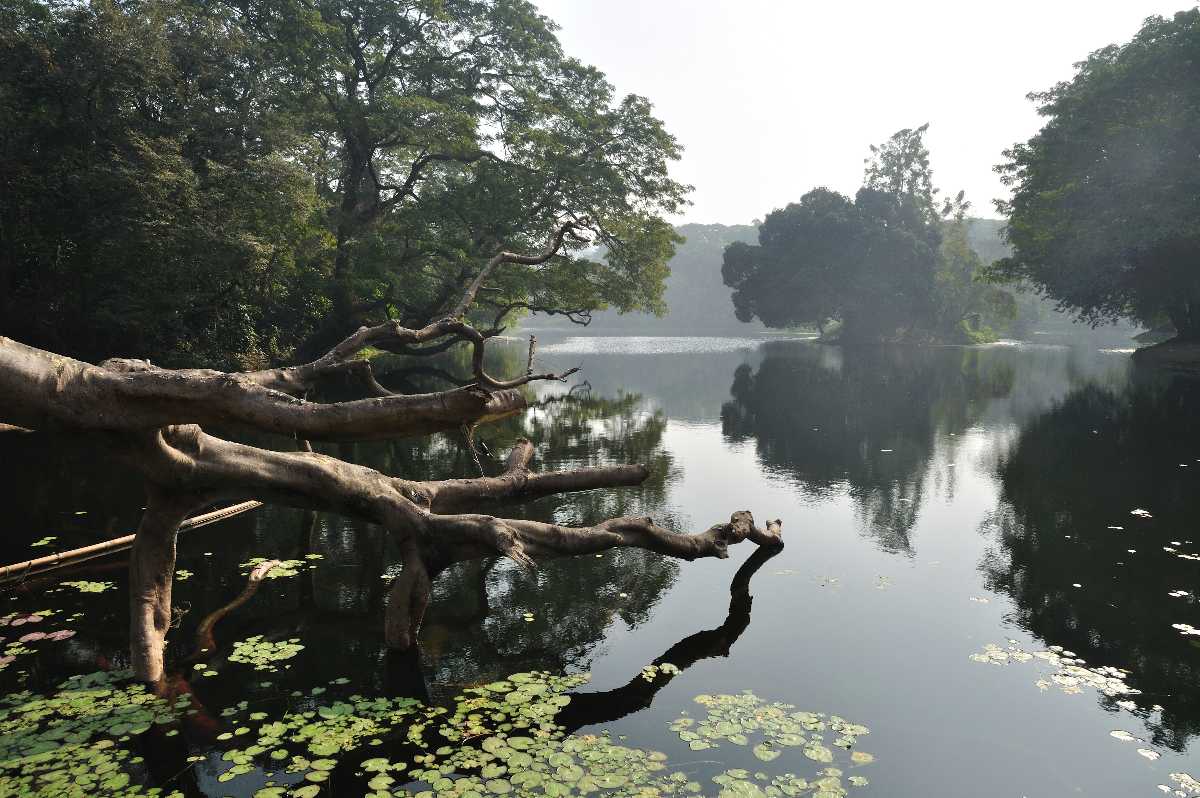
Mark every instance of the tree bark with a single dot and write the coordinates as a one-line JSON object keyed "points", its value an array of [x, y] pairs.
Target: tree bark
{"points": [[151, 573]]}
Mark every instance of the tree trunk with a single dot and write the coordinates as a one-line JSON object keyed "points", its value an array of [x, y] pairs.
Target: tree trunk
{"points": [[151, 573]]}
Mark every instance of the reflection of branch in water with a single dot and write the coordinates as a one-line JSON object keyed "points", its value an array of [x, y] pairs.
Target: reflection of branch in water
{"points": [[587, 709]]}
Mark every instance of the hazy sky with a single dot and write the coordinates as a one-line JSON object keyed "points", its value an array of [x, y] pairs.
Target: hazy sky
{"points": [[773, 97]]}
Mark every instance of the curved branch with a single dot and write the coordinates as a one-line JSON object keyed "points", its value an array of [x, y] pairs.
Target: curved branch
{"points": [[551, 249]]}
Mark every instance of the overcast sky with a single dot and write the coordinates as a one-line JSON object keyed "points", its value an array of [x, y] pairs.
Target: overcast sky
{"points": [[773, 97]]}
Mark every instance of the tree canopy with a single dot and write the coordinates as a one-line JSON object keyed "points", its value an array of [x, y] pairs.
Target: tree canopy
{"points": [[229, 182], [1105, 211], [885, 265]]}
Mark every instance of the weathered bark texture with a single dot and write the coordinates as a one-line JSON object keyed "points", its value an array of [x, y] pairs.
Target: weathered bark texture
{"points": [[152, 417]]}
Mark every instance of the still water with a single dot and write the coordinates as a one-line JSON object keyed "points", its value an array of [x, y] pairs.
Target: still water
{"points": [[947, 512]]}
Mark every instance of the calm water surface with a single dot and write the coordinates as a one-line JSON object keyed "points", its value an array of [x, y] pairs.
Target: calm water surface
{"points": [[935, 502]]}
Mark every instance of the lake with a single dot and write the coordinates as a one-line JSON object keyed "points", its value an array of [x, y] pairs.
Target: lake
{"points": [[991, 563]]}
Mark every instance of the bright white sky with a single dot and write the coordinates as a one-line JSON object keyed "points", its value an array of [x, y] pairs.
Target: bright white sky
{"points": [[773, 97]]}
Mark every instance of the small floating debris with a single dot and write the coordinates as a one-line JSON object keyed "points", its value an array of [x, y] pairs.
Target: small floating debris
{"points": [[979, 599], [1117, 528], [1178, 593], [1076, 584], [651, 672], [886, 451], [1140, 513], [882, 583], [1071, 675], [1186, 629], [1149, 754], [1124, 736], [528, 617], [46, 541]]}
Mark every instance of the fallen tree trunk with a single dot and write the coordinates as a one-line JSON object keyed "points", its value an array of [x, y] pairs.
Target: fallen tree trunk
{"points": [[151, 418]]}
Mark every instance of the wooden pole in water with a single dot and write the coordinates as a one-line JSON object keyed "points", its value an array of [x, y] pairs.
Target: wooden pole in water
{"points": [[52, 561]]}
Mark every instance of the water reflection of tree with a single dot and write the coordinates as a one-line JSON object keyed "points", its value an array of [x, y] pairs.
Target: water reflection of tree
{"points": [[864, 421], [475, 628], [1073, 473], [575, 600]]}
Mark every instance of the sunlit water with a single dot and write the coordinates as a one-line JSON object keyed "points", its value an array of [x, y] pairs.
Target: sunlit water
{"points": [[934, 502]]}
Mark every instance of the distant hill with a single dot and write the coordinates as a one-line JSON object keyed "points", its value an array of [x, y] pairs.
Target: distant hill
{"points": [[697, 299], [984, 236]]}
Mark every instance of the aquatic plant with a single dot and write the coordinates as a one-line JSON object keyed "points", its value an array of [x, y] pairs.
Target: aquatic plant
{"points": [[285, 568], [74, 743]]}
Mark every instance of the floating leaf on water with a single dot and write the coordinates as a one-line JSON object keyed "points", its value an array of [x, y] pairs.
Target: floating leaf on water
{"points": [[84, 586]]}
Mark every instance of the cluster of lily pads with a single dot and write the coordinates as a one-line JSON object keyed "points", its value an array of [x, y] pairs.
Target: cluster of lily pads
{"points": [[496, 739], [1071, 674], [737, 718], [285, 568], [502, 738], [75, 743], [263, 654], [84, 586]]}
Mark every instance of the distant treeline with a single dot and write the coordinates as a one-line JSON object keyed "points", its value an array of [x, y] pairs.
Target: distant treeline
{"points": [[698, 302]]}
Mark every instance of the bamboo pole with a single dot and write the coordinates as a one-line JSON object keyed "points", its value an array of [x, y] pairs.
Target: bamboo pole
{"points": [[50, 562]]}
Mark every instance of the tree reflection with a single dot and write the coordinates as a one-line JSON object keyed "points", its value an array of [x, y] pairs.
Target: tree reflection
{"points": [[866, 424], [1073, 474]]}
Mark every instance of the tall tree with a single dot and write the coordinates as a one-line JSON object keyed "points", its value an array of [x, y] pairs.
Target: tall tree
{"points": [[181, 177], [443, 132], [1105, 211]]}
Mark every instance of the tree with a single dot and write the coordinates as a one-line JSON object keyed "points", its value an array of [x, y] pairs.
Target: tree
{"points": [[867, 263], [442, 132], [1105, 211], [150, 417], [890, 264], [143, 207], [230, 182]]}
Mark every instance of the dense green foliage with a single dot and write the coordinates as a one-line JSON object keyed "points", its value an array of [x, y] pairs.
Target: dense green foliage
{"points": [[217, 182], [888, 264], [1105, 213]]}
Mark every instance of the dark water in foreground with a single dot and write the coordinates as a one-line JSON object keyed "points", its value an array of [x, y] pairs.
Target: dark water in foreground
{"points": [[935, 502]]}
